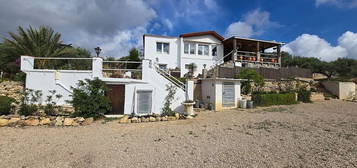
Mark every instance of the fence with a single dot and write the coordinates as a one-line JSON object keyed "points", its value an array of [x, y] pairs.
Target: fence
{"points": [[268, 73]]}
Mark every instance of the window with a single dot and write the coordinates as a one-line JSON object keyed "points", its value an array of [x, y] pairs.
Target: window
{"points": [[162, 47], [202, 49], [186, 48], [144, 101], [214, 50], [192, 48], [163, 66]]}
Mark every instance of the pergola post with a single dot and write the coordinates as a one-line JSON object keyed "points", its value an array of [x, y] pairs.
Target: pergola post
{"points": [[279, 54], [258, 51], [234, 55]]}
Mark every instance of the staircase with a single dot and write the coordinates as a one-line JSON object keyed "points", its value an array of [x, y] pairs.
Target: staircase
{"points": [[170, 78], [212, 72]]}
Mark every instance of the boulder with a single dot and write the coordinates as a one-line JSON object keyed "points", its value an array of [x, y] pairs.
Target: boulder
{"points": [[144, 119], [171, 118], [152, 119], [80, 119], [124, 119], [164, 118], [190, 117], [3, 122], [45, 121], [32, 122], [68, 121], [158, 118], [14, 120], [59, 121], [177, 115], [88, 121], [75, 123], [134, 119]]}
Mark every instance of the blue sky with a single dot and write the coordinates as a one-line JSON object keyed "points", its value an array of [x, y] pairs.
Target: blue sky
{"points": [[324, 29]]}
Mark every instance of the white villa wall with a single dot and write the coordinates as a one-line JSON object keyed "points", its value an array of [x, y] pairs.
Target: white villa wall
{"points": [[171, 59], [343, 90], [177, 57], [214, 89]]}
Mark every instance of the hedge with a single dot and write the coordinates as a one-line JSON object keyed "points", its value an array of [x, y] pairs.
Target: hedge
{"points": [[5, 105], [274, 99]]}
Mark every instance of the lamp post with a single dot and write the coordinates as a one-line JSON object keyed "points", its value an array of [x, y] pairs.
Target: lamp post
{"points": [[97, 51]]}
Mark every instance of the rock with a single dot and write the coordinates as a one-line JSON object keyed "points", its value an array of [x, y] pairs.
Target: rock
{"points": [[75, 124], [177, 115], [139, 120], [88, 121], [144, 119], [59, 121], [4, 122], [80, 119], [152, 119], [164, 118], [158, 118], [190, 117], [32, 122], [45, 121], [171, 118], [68, 121], [134, 119], [124, 119]]}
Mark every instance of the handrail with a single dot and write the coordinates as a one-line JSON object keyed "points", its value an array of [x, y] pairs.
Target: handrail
{"points": [[217, 62], [61, 58], [169, 77], [134, 62]]}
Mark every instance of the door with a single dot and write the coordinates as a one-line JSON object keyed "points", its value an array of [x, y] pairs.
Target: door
{"points": [[116, 95], [144, 99], [228, 94]]}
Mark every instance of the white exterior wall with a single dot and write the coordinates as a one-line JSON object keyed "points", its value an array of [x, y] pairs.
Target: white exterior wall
{"points": [[214, 90], [171, 59], [177, 57]]}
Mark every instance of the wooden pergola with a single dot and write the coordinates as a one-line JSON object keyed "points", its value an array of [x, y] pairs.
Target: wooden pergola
{"points": [[252, 50]]}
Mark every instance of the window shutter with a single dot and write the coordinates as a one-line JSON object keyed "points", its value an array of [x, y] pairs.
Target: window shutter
{"points": [[144, 102]]}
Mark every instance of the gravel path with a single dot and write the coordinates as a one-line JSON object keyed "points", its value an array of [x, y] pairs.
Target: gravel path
{"points": [[306, 135]]}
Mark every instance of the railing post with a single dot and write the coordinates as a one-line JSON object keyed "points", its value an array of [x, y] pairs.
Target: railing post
{"points": [[27, 63], [97, 67]]}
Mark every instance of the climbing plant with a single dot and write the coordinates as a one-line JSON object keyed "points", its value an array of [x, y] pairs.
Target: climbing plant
{"points": [[170, 97]]}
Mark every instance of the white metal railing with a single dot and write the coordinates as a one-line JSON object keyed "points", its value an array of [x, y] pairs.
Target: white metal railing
{"points": [[169, 77], [122, 69]]}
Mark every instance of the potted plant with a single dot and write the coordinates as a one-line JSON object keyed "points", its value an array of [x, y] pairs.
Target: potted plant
{"points": [[189, 107]]}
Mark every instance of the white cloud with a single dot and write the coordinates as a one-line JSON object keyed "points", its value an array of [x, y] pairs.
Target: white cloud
{"points": [[168, 24], [348, 40], [240, 29], [254, 23], [308, 45], [337, 3], [211, 4], [85, 23]]}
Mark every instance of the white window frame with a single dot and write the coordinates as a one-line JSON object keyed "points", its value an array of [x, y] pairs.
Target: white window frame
{"points": [[211, 50], [162, 44], [202, 48], [137, 102]]}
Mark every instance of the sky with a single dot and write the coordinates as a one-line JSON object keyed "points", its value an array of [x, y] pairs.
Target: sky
{"points": [[325, 29]]}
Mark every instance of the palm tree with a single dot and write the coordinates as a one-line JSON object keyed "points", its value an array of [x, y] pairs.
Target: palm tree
{"points": [[41, 42]]}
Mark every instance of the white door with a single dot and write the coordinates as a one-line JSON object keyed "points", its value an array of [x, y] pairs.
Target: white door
{"points": [[228, 94]]}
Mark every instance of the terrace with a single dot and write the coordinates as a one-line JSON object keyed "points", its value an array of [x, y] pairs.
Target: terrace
{"points": [[253, 53]]}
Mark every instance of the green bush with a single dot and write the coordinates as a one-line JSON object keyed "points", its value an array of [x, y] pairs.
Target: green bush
{"points": [[5, 105], [304, 95], [89, 99], [166, 110], [274, 99], [252, 76], [28, 109]]}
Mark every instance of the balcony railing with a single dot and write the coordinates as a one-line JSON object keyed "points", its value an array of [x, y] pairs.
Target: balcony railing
{"points": [[58, 63], [122, 69], [252, 57]]}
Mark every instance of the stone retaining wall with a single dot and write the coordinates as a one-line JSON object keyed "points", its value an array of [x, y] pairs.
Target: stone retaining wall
{"points": [[20, 121]]}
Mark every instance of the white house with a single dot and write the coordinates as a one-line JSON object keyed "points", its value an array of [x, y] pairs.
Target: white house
{"points": [[201, 48]]}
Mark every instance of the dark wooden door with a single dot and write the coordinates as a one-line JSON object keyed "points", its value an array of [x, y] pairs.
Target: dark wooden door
{"points": [[116, 94]]}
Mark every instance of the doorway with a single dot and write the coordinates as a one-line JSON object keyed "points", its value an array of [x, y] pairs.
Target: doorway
{"points": [[228, 94], [116, 94]]}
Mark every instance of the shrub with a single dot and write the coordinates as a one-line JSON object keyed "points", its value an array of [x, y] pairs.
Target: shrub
{"points": [[29, 101], [304, 95], [5, 105], [51, 102], [274, 99], [166, 110], [89, 99], [252, 76]]}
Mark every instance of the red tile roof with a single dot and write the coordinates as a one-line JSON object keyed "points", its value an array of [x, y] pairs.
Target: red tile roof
{"points": [[213, 33]]}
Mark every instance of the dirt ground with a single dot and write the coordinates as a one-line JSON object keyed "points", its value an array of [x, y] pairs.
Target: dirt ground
{"points": [[305, 135]]}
